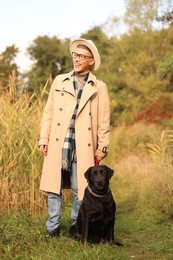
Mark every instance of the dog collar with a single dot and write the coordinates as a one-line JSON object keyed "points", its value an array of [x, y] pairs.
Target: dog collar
{"points": [[95, 194]]}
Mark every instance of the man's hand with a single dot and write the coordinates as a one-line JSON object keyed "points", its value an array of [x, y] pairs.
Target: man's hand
{"points": [[43, 149]]}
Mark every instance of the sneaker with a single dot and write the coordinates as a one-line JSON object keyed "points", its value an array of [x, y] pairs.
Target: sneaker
{"points": [[54, 233]]}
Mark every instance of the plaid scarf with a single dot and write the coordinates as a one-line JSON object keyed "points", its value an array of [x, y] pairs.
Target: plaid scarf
{"points": [[69, 147]]}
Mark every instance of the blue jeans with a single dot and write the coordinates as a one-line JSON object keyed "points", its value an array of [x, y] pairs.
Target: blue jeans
{"points": [[55, 202]]}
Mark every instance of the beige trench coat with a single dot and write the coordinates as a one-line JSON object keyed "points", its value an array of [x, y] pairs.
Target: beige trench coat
{"points": [[92, 128]]}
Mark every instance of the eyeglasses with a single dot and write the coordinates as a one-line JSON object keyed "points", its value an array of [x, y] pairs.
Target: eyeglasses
{"points": [[81, 56]]}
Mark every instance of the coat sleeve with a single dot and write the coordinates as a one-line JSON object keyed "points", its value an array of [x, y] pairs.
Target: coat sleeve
{"points": [[103, 130], [47, 117]]}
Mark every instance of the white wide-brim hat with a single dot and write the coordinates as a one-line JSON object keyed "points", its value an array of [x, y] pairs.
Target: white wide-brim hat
{"points": [[91, 46]]}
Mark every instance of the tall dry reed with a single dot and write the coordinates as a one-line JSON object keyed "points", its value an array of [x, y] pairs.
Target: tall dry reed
{"points": [[144, 172], [20, 167], [20, 159]]}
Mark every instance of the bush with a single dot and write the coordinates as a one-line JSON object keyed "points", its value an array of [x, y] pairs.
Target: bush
{"points": [[158, 112]]}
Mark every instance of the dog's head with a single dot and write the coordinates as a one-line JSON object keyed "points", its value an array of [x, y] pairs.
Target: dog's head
{"points": [[98, 178]]}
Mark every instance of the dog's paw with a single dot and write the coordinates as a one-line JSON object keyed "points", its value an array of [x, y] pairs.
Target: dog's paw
{"points": [[73, 233]]}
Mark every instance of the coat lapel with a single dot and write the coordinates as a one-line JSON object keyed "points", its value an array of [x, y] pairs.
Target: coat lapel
{"points": [[88, 91], [69, 87], [66, 83]]}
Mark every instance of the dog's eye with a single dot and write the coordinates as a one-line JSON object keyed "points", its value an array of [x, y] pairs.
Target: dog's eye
{"points": [[102, 172], [94, 174]]}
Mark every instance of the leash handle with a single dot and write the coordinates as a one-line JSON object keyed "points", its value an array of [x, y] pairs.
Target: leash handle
{"points": [[96, 161]]}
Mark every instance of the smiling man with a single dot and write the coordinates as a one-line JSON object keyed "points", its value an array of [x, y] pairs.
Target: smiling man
{"points": [[75, 130]]}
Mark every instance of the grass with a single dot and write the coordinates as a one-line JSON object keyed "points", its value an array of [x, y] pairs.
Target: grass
{"points": [[145, 233]]}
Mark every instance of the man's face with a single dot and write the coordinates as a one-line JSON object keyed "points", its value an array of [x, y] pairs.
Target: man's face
{"points": [[82, 63]]}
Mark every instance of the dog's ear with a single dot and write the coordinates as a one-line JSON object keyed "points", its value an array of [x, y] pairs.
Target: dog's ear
{"points": [[86, 174], [109, 171]]}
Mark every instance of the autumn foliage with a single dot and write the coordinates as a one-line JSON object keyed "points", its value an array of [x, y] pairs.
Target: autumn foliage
{"points": [[158, 111]]}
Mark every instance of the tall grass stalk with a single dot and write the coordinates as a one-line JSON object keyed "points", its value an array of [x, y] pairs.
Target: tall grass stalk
{"points": [[20, 162], [20, 159], [143, 172]]}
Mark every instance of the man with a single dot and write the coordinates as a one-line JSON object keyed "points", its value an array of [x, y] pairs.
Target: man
{"points": [[74, 130]]}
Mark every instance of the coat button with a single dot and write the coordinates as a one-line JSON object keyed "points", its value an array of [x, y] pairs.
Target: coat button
{"points": [[60, 109], [89, 128], [89, 113], [62, 94], [58, 124], [89, 145], [57, 139]]}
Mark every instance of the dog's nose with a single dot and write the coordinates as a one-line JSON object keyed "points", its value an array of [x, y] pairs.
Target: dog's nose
{"points": [[99, 182]]}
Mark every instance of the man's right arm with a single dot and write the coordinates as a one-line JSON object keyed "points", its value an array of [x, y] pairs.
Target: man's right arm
{"points": [[46, 123], [43, 149]]}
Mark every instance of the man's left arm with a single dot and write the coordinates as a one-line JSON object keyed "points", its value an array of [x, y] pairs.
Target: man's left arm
{"points": [[103, 122]]}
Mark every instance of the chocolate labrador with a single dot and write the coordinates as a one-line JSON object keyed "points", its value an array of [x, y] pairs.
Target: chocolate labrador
{"points": [[96, 218]]}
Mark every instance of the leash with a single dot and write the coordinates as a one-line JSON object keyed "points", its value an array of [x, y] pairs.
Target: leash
{"points": [[96, 161]]}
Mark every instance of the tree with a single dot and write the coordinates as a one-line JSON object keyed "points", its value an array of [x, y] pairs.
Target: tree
{"points": [[141, 13], [50, 56], [7, 64], [167, 17], [166, 65]]}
